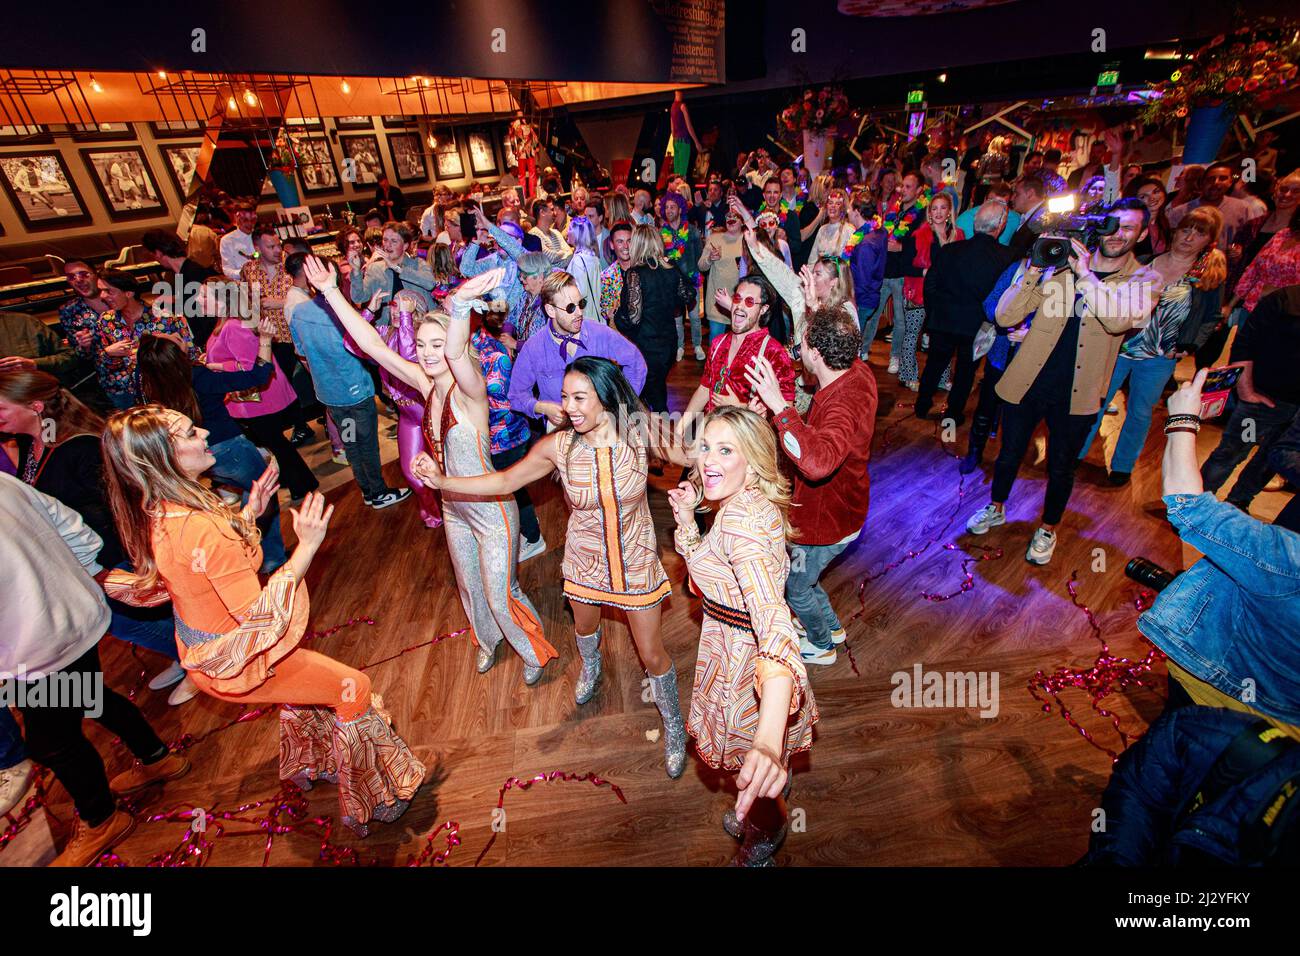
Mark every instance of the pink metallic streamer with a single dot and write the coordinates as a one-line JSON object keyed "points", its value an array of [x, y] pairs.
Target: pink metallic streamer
{"points": [[514, 783], [1105, 676]]}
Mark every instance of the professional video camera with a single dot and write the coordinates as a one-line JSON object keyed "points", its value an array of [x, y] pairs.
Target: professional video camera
{"points": [[1060, 224]]}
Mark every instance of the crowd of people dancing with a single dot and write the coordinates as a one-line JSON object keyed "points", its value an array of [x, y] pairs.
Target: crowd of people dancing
{"points": [[531, 335]]}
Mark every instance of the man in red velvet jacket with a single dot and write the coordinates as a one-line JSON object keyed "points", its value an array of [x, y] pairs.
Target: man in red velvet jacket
{"points": [[828, 457]]}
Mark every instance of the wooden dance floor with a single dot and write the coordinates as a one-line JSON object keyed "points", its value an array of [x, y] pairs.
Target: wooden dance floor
{"points": [[883, 785]]}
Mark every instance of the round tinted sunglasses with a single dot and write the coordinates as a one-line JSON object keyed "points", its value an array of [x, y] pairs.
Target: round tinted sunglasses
{"points": [[748, 300], [574, 306]]}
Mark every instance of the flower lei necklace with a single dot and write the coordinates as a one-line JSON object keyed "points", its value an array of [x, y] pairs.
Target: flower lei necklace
{"points": [[675, 240], [799, 201], [871, 225], [898, 224]]}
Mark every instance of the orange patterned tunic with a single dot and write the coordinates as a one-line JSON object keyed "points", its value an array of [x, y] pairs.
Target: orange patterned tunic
{"points": [[611, 555], [741, 565]]}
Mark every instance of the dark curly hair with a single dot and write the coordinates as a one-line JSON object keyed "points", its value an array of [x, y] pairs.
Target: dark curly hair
{"points": [[835, 336]]}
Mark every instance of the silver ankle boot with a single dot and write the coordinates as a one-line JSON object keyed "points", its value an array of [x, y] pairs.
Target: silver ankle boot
{"points": [[589, 679], [485, 659], [665, 691]]}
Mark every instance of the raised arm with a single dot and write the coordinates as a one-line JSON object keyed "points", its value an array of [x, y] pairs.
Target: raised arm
{"points": [[540, 461], [465, 369], [781, 276], [362, 332]]}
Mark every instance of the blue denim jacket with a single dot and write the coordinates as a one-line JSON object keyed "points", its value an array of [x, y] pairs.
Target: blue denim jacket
{"points": [[1233, 618], [338, 376]]}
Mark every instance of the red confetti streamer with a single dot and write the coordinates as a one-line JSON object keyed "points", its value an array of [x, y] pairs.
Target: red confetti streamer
{"points": [[1105, 676], [19, 820], [514, 783], [427, 855], [968, 575]]}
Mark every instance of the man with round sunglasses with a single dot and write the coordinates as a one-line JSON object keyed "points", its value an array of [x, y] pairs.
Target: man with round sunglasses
{"points": [[538, 375]]}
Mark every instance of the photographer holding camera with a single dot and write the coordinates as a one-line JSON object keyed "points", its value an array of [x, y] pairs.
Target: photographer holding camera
{"points": [[1077, 319]]}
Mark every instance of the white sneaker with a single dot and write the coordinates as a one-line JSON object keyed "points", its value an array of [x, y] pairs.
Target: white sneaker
{"points": [[893, 366], [1041, 546], [699, 354], [390, 497], [172, 675], [15, 781], [925, 341], [990, 516], [531, 549], [680, 353], [339, 458], [816, 655], [184, 691], [838, 636]]}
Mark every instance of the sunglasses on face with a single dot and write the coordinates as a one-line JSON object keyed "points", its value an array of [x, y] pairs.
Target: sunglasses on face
{"points": [[749, 301], [574, 306]]}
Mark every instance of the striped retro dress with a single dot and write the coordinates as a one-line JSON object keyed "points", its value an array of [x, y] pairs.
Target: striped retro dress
{"points": [[747, 636], [610, 553]]}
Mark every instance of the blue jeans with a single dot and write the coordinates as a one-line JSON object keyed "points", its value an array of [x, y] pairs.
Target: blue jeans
{"points": [[805, 595], [12, 749], [1146, 385], [240, 463], [1268, 424], [889, 288], [717, 330]]}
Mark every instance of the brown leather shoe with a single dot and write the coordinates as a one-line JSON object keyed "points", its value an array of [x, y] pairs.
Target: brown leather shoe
{"points": [[89, 843], [171, 767]]}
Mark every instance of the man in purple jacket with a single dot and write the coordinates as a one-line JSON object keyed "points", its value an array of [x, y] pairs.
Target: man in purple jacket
{"points": [[539, 368], [866, 263]]}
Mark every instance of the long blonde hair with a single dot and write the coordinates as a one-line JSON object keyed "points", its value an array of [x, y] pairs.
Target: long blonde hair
{"points": [[647, 247], [757, 442], [841, 278], [142, 476], [617, 209], [1212, 264]]}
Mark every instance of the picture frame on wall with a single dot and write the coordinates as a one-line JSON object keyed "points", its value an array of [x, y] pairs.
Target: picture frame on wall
{"points": [[447, 163], [125, 182], [42, 190], [316, 168], [91, 131], [354, 122], [362, 163], [409, 163], [173, 129], [399, 122], [482, 155], [181, 161]]}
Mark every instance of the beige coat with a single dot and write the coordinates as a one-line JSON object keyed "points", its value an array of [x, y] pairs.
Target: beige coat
{"points": [[1110, 307]]}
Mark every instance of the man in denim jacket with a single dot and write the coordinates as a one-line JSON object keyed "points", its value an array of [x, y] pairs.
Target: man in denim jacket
{"points": [[1230, 624]]}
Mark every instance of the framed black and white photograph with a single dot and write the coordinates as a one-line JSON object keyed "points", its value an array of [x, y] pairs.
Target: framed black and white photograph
{"points": [[482, 157], [171, 129], [399, 122], [303, 122], [42, 190], [447, 163], [181, 163], [408, 157], [354, 122], [124, 181], [14, 135], [362, 165], [316, 166]]}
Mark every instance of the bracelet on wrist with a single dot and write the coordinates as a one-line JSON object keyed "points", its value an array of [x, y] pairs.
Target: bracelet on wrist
{"points": [[1181, 428]]}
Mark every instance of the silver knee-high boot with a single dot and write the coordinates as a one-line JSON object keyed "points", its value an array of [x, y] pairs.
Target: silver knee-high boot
{"points": [[666, 699], [589, 679]]}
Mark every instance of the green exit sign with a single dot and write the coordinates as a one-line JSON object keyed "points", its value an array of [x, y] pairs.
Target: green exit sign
{"points": [[915, 96], [1108, 78]]}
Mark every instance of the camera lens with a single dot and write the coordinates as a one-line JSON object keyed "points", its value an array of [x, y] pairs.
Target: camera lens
{"points": [[1149, 574]]}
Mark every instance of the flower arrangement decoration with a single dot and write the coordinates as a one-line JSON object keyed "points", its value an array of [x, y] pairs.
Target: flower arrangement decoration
{"points": [[817, 111], [1243, 71]]}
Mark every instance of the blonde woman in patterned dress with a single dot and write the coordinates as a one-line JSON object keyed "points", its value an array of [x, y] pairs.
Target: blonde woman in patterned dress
{"points": [[751, 706], [611, 557]]}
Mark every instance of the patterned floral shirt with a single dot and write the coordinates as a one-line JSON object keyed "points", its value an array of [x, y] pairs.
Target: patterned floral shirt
{"points": [[254, 271], [1276, 266], [507, 428], [78, 316], [117, 375], [611, 292]]}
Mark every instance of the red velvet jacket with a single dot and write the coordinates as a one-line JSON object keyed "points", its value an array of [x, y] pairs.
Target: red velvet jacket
{"points": [[827, 457]]}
